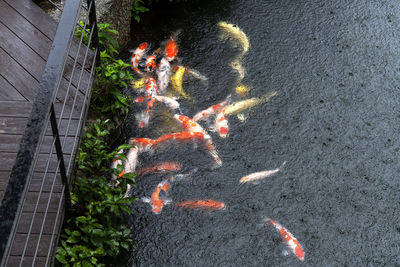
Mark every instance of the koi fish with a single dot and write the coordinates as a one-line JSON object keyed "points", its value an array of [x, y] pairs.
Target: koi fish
{"points": [[163, 74], [137, 55], [237, 65], [242, 90], [188, 124], [138, 84], [160, 168], [151, 92], [243, 105], [170, 102], [207, 204], [221, 124], [235, 34], [151, 60], [197, 75], [117, 161], [156, 201], [192, 126], [260, 175], [143, 144], [289, 239], [204, 114], [132, 157], [171, 48], [177, 80], [158, 198]]}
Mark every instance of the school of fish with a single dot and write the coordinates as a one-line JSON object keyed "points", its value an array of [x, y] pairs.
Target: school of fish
{"points": [[160, 79]]}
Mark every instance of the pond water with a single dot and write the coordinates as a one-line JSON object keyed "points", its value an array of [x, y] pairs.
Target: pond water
{"points": [[335, 120]]}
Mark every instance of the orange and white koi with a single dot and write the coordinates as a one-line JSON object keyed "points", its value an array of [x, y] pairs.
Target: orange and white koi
{"points": [[117, 161], [205, 114], [193, 126], [207, 204], [161, 167], [188, 124], [163, 73], [260, 175], [170, 102], [137, 55], [151, 60], [221, 124], [289, 239], [143, 144], [171, 48], [158, 198], [151, 92]]}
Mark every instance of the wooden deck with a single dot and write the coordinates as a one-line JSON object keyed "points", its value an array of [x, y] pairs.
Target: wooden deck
{"points": [[25, 40]]}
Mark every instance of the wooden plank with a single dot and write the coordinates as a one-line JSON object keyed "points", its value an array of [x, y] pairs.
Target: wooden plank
{"points": [[46, 183], [46, 25], [10, 109], [27, 261], [17, 76], [36, 16], [7, 161], [38, 220], [9, 125], [20, 240], [8, 92], [27, 32], [21, 52], [10, 143], [4, 176], [32, 201]]}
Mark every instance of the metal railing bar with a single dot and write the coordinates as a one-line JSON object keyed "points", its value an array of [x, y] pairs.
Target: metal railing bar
{"points": [[35, 127], [55, 5], [49, 158], [66, 187], [93, 21], [83, 111]]}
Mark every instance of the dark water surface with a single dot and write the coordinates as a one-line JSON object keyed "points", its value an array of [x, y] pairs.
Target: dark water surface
{"points": [[335, 120]]}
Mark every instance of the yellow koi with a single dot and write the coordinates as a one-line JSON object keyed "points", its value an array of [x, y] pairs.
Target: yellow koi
{"points": [[243, 105], [176, 81], [234, 33], [139, 83], [242, 90]]}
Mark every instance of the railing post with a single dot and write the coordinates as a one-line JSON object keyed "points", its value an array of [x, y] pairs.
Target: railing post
{"points": [[60, 157], [93, 21]]}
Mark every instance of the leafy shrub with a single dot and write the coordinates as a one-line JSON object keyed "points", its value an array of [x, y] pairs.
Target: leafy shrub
{"points": [[93, 232]]}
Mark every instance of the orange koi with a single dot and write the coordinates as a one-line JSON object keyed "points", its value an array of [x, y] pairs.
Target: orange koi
{"points": [[171, 48], [143, 144], [137, 55], [156, 201], [160, 168], [207, 204], [289, 239], [151, 60], [204, 114]]}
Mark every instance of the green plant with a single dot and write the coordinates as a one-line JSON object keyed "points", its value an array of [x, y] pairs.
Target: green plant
{"points": [[94, 232], [137, 8]]}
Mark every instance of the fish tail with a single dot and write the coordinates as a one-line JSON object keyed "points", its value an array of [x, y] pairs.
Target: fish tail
{"points": [[283, 165]]}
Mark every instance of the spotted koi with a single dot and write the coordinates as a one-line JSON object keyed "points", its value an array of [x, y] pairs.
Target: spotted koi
{"points": [[289, 239], [137, 55]]}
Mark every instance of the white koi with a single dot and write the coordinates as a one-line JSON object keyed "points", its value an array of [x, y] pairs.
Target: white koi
{"points": [[261, 175]]}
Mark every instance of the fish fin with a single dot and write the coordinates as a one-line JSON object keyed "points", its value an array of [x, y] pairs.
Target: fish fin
{"points": [[195, 145], [146, 199], [241, 117], [283, 165], [167, 201], [285, 252]]}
